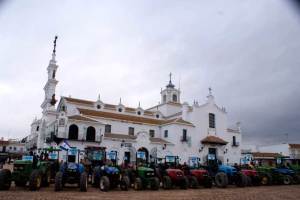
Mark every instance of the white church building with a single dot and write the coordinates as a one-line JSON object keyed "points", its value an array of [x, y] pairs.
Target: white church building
{"points": [[169, 128]]}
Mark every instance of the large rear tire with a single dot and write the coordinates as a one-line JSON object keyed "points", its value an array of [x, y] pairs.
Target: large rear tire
{"points": [[221, 180], [193, 182], [138, 185], [125, 183], [104, 183], [5, 179], [46, 179], [241, 180], [154, 184], [83, 182], [266, 179], [58, 185], [167, 183], [35, 180]]}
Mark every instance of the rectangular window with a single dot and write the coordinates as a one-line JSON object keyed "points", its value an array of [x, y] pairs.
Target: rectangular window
{"points": [[131, 131], [233, 141], [152, 133], [166, 133], [184, 135], [212, 121], [107, 128]]}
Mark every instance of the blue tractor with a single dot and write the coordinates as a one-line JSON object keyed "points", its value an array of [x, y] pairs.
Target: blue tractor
{"points": [[225, 175], [105, 173], [71, 172]]}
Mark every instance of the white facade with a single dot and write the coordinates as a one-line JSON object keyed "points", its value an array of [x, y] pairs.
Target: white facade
{"points": [[170, 128]]}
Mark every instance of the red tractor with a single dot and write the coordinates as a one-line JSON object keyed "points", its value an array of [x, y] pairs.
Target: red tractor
{"points": [[170, 175], [253, 178], [196, 174]]}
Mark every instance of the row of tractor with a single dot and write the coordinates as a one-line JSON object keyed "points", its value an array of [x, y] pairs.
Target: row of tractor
{"points": [[166, 173]]}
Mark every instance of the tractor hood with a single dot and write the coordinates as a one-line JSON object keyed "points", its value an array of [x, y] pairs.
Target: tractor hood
{"points": [[284, 171], [147, 169], [23, 162], [227, 169], [111, 170]]}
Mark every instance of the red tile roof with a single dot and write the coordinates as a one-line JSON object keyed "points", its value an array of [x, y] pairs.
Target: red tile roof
{"points": [[294, 146], [80, 101], [213, 140], [130, 118], [265, 155]]}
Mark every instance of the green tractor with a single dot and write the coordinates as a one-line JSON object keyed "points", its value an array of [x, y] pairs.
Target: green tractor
{"points": [[37, 173], [142, 176], [272, 175], [52, 157]]}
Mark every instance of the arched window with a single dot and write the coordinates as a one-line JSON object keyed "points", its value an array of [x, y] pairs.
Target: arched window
{"points": [[73, 132], [174, 97], [90, 134], [37, 128], [165, 98]]}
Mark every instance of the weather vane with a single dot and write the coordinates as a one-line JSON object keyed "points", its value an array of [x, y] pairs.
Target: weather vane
{"points": [[54, 42], [170, 77]]}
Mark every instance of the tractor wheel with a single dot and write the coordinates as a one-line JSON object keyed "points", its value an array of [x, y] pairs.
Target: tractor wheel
{"points": [[58, 181], [249, 181], [221, 180], [104, 183], [208, 182], [266, 179], [46, 179], [5, 179], [35, 180], [154, 184], [287, 180], [138, 185], [193, 182], [125, 183], [184, 183], [167, 182], [83, 183], [241, 180]]}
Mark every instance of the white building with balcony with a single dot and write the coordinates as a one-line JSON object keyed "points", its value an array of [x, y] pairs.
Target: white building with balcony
{"points": [[169, 128]]}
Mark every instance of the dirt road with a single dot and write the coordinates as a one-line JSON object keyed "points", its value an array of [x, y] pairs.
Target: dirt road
{"points": [[257, 193]]}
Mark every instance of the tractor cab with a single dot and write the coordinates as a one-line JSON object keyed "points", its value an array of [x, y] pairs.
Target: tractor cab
{"points": [[52, 157], [143, 176], [29, 169], [71, 172], [225, 175], [196, 174], [103, 169], [170, 174]]}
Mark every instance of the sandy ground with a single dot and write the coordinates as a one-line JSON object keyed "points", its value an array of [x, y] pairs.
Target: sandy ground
{"points": [[263, 193], [257, 193]]}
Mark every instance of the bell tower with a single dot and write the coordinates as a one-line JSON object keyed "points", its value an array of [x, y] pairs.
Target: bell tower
{"points": [[49, 111], [50, 101], [170, 93]]}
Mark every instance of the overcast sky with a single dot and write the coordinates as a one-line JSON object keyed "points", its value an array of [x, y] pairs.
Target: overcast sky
{"points": [[247, 51]]}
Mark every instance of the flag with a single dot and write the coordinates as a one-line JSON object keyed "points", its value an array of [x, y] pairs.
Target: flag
{"points": [[65, 145]]}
